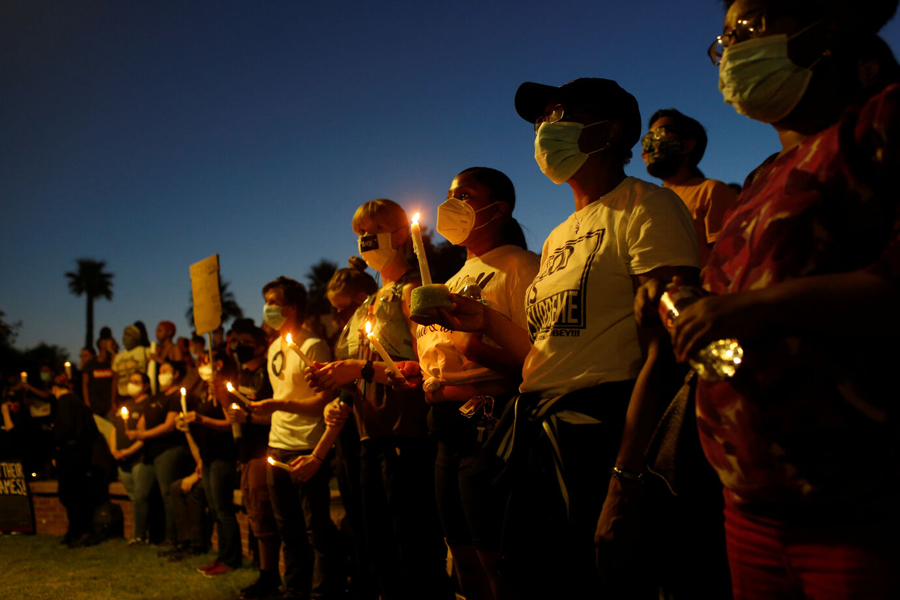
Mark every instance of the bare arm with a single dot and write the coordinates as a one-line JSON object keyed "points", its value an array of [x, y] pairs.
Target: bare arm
{"points": [[84, 389]]}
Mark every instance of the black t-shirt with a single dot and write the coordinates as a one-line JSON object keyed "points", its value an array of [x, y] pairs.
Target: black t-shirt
{"points": [[255, 439], [74, 429], [123, 442], [213, 444], [157, 409], [100, 382]]}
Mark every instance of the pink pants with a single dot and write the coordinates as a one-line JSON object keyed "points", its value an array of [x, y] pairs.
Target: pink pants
{"points": [[774, 560]]}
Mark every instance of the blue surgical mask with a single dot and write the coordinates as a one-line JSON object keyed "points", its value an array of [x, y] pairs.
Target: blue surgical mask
{"points": [[273, 317]]}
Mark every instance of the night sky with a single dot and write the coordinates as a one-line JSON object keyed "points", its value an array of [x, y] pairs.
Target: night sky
{"points": [[154, 134]]}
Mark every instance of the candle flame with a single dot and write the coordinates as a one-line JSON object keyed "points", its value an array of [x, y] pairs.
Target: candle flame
{"points": [[368, 327], [415, 219], [23, 374], [289, 339], [234, 406], [68, 364], [124, 412], [183, 391], [271, 461], [229, 386]]}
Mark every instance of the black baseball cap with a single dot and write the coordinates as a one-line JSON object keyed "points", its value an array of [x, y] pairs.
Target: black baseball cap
{"points": [[604, 97]]}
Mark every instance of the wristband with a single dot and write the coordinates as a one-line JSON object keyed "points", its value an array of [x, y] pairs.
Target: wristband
{"points": [[626, 475], [313, 454], [367, 372]]}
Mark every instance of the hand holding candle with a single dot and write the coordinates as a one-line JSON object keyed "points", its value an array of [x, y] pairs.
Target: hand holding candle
{"points": [[124, 414], [419, 247], [290, 342], [279, 464], [68, 367], [381, 351], [184, 400], [238, 395]]}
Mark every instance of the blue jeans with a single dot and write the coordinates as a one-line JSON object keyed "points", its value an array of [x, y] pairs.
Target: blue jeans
{"points": [[219, 478], [170, 465]]}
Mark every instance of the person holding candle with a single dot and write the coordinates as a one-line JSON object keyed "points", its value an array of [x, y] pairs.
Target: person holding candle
{"points": [[457, 366], [403, 533], [301, 507], [210, 427], [137, 477], [580, 414], [124, 450], [165, 454]]}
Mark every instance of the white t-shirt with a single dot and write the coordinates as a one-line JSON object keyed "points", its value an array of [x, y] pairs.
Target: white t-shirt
{"points": [[504, 275], [292, 431], [128, 362], [580, 307]]}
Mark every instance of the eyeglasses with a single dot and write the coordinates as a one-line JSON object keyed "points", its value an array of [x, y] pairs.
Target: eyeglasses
{"points": [[750, 25], [559, 113], [656, 135]]}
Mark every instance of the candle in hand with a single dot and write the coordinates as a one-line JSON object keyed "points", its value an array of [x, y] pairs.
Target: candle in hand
{"points": [[279, 464], [419, 247], [381, 351], [296, 348], [236, 393], [68, 366], [183, 400], [124, 414], [24, 376]]}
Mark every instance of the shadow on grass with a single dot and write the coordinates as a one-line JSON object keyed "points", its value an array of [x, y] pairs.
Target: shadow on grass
{"points": [[37, 567]]}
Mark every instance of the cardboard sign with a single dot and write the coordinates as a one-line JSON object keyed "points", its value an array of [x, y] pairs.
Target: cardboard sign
{"points": [[16, 510], [205, 289]]}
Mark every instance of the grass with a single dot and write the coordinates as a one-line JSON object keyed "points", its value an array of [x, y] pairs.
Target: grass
{"points": [[37, 567]]}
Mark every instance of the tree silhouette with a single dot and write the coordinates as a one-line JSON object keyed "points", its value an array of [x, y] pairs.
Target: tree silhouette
{"points": [[318, 277], [91, 280], [230, 308]]}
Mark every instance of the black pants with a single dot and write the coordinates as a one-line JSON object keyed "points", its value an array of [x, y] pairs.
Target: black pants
{"points": [[191, 519]]}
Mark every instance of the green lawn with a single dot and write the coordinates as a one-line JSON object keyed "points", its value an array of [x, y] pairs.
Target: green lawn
{"points": [[38, 567]]}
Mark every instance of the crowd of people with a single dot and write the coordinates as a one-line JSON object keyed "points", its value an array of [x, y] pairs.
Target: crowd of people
{"points": [[544, 424]]}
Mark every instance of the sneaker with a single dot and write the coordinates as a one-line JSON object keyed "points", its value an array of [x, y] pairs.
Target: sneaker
{"points": [[136, 541], [220, 569], [261, 588], [209, 567]]}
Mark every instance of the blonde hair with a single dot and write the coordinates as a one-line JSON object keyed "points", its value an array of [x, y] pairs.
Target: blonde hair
{"points": [[381, 211]]}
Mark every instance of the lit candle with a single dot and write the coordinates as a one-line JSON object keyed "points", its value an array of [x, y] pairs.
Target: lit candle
{"points": [[183, 400], [279, 464], [236, 393], [68, 366], [24, 376], [296, 348], [419, 247], [234, 406], [124, 414], [381, 351]]}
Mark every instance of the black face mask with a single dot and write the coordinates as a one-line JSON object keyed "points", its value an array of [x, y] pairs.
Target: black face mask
{"points": [[244, 353]]}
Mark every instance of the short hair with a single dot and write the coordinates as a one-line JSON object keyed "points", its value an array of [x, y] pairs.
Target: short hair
{"points": [[352, 280], [687, 129], [179, 366], [89, 349], [293, 291], [381, 211], [246, 326]]}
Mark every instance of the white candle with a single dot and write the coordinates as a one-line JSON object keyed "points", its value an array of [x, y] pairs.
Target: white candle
{"points": [[236, 393], [279, 464], [419, 247], [24, 376], [235, 427], [381, 351], [68, 366], [183, 400], [296, 348], [124, 414]]}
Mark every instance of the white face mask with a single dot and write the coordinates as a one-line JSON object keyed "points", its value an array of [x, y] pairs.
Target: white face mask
{"points": [[455, 219], [758, 79], [165, 379], [135, 390], [376, 250], [273, 316], [205, 372], [556, 149]]}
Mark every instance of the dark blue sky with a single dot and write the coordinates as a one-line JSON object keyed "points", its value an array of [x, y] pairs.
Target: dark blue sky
{"points": [[153, 134]]}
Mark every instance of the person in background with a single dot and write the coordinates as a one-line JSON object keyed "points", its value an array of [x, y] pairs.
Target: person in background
{"points": [[80, 487], [109, 345], [133, 359], [301, 507], [166, 349], [249, 345], [189, 502], [124, 450], [97, 380], [403, 531], [218, 454], [805, 275], [458, 367], [672, 150]]}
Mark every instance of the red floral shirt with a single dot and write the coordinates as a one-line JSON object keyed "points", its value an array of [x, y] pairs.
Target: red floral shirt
{"points": [[805, 420]]}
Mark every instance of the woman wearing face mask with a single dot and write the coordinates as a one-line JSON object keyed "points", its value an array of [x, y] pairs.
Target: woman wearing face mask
{"points": [[165, 454], [133, 359], [585, 412], [804, 274], [402, 529], [140, 478], [458, 367]]}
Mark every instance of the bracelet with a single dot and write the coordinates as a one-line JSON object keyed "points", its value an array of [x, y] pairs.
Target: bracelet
{"points": [[626, 475], [313, 454], [367, 372]]}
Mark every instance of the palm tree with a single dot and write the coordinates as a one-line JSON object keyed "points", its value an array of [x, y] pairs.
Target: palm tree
{"points": [[230, 308], [91, 280]]}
